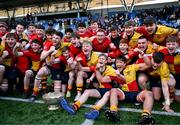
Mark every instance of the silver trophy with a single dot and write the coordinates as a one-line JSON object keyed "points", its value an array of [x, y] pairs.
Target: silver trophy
{"points": [[52, 100]]}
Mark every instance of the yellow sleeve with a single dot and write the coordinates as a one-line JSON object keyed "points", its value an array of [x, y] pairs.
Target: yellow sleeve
{"points": [[168, 30], [110, 71], [2, 47], [164, 72], [177, 59], [136, 67], [63, 44]]}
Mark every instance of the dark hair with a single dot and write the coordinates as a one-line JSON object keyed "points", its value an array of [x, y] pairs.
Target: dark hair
{"points": [[149, 20], [64, 49], [122, 58], [39, 26], [113, 28], [172, 38], [75, 35], [81, 25], [69, 30], [37, 41], [11, 35], [142, 37], [158, 57], [32, 24], [94, 21], [50, 31], [23, 40], [58, 33], [21, 23], [103, 55], [123, 40]]}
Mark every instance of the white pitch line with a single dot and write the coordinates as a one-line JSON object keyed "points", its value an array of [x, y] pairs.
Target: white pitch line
{"points": [[89, 106]]}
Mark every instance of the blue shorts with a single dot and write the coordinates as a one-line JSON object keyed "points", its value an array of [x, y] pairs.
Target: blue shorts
{"points": [[131, 96], [102, 91]]}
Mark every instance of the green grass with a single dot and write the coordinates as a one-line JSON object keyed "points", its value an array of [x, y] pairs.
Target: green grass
{"points": [[30, 113]]}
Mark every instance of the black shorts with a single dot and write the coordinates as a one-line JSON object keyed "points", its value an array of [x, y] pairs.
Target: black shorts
{"points": [[65, 78], [11, 73], [55, 73], [131, 96], [102, 91], [155, 82], [177, 78]]}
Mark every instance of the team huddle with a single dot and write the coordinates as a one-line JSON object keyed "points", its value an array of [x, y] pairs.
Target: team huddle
{"points": [[138, 65]]}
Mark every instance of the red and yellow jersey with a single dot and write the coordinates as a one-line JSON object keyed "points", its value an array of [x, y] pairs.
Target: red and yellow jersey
{"points": [[59, 53], [22, 36], [132, 41], [101, 47], [64, 61], [162, 72], [35, 59], [111, 72], [151, 50], [173, 61], [130, 76], [91, 62], [160, 34], [10, 59]]}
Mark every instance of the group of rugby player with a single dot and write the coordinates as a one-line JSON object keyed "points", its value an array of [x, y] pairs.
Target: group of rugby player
{"points": [[137, 65]]}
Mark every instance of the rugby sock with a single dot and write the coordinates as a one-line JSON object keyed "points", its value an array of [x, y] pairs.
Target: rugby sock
{"points": [[44, 82], [114, 108], [77, 105], [69, 88], [145, 113], [96, 107], [26, 89], [79, 87], [35, 91]]}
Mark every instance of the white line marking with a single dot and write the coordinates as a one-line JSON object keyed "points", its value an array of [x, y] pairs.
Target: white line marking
{"points": [[89, 106]]}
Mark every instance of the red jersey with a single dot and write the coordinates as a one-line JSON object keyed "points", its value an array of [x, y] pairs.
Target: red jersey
{"points": [[47, 45], [91, 32], [101, 47], [22, 63], [115, 53], [86, 34], [66, 40], [10, 59], [75, 50]]}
